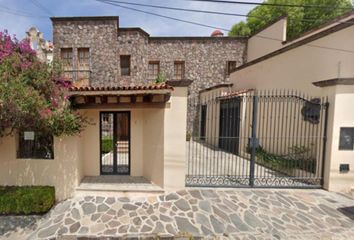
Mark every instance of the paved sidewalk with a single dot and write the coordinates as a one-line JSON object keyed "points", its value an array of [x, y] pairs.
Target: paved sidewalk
{"points": [[234, 214]]}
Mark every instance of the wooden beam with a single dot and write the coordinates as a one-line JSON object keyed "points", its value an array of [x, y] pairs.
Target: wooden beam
{"points": [[121, 105], [133, 99], [148, 98]]}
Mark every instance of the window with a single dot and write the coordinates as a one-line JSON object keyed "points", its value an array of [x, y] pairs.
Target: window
{"points": [[179, 70], [125, 65], [231, 66], [153, 70], [66, 55], [35, 145], [83, 58], [346, 138]]}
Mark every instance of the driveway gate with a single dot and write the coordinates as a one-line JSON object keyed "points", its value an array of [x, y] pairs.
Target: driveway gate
{"points": [[258, 139]]}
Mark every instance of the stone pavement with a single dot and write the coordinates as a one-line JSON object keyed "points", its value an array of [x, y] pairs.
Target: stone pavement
{"points": [[211, 214]]}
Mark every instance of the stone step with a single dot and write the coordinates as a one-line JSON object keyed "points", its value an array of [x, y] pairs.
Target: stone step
{"points": [[117, 194], [117, 186]]}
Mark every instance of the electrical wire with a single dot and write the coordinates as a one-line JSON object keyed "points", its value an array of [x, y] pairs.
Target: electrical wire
{"points": [[40, 6], [213, 27], [164, 16], [273, 4], [19, 13], [184, 9], [203, 11]]}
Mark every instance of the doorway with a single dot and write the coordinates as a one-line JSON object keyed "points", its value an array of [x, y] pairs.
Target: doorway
{"points": [[115, 143]]}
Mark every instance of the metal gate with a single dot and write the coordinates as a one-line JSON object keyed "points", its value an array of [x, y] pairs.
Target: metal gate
{"points": [[258, 139]]}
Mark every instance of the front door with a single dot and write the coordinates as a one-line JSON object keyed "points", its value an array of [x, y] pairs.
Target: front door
{"points": [[115, 143], [229, 135]]}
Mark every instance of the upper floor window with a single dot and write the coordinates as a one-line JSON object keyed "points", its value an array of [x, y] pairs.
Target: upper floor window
{"points": [[66, 55], [125, 65], [153, 69], [83, 58], [231, 66], [35, 145], [179, 70]]}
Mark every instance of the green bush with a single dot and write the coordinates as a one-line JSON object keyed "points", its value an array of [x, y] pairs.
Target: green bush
{"points": [[298, 158], [107, 145], [26, 200]]}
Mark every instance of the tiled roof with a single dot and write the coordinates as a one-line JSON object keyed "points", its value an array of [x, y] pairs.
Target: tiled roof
{"points": [[235, 93], [161, 86]]}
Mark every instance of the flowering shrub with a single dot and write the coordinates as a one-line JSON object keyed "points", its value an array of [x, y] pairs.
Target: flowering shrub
{"points": [[33, 95]]}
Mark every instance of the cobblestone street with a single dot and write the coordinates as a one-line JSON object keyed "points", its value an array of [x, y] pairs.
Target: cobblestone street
{"points": [[234, 214]]}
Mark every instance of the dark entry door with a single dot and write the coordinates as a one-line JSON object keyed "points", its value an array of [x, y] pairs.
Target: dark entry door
{"points": [[229, 125], [203, 116], [115, 143]]}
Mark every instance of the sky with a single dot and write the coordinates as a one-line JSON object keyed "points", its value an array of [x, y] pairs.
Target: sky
{"points": [[12, 15]]}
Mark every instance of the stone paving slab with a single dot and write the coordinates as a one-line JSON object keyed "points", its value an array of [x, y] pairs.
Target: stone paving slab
{"points": [[203, 214]]}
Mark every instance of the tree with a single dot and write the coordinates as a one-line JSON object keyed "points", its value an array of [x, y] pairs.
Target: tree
{"points": [[33, 95], [300, 19]]}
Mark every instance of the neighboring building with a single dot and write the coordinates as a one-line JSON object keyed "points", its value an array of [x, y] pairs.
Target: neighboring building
{"points": [[43, 47], [307, 69]]}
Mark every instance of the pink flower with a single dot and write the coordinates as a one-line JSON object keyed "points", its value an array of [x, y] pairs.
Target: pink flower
{"points": [[45, 113]]}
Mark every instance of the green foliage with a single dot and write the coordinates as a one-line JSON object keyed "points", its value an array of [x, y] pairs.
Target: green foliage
{"points": [[107, 145], [161, 78], [26, 200], [262, 15], [240, 29], [298, 158], [188, 136], [33, 95]]}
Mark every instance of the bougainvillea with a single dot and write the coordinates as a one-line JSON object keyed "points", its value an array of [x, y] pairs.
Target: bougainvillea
{"points": [[33, 95]]}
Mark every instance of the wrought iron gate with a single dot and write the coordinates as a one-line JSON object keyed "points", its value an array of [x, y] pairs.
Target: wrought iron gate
{"points": [[258, 139]]}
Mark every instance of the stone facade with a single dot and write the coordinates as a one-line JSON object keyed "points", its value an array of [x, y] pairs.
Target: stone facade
{"points": [[205, 57]]}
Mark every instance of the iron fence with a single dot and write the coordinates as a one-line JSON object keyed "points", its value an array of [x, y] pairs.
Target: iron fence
{"points": [[259, 139]]}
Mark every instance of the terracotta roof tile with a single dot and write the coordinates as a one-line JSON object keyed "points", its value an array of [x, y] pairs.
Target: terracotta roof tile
{"points": [[162, 86]]}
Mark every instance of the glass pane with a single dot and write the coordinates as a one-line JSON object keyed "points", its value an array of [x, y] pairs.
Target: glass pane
{"points": [[35, 145], [123, 143], [107, 143]]}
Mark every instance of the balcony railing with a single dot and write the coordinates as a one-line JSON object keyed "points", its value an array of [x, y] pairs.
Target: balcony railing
{"points": [[78, 77]]}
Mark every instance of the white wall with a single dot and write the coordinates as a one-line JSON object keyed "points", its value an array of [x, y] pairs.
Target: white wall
{"points": [[64, 172], [175, 140], [297, 69], [267, 40]]}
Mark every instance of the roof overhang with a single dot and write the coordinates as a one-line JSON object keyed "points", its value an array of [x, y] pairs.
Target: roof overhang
{"points": [[120, 97], [334, 82]]}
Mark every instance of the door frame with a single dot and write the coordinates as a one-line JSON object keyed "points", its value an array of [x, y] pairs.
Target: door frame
{"points": [[236, 103], [115, 140]]}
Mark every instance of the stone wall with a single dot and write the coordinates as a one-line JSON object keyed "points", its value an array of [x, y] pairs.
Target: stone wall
{"points": [[99, 35], [205, 57], [205, 62]]}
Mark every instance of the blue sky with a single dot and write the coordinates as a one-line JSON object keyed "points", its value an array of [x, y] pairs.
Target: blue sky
{"points": [[156, 26]]}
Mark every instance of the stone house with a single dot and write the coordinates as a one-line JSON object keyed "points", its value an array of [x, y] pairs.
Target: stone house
{"points": [[206, 61], [139, 126]]}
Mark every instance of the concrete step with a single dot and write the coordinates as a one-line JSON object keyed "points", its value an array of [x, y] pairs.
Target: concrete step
{"points": [[117, 186]]}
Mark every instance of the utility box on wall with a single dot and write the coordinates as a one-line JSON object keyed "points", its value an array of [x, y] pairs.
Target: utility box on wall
{"points": [[344, 168], [346, 138]]}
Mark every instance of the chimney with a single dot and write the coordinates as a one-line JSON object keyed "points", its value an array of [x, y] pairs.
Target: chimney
{"points": [[217, 33]]}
